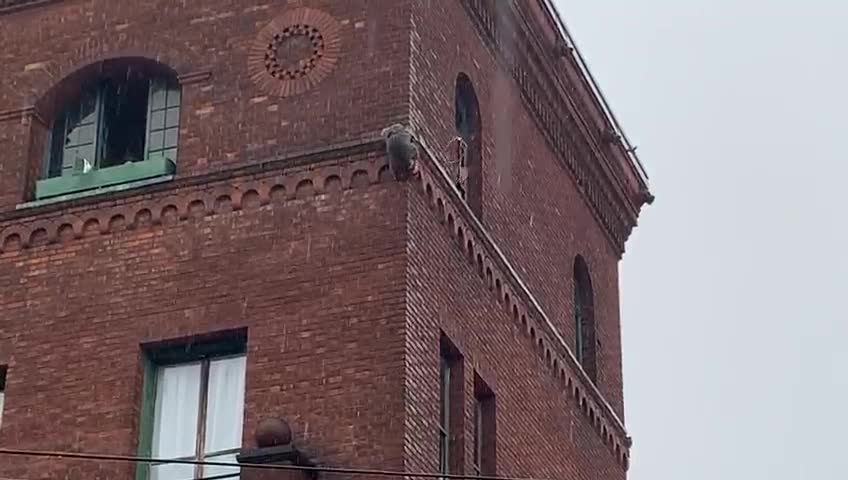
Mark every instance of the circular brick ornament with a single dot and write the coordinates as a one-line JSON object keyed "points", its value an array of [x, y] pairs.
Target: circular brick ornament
{"points": [[295, 52]]}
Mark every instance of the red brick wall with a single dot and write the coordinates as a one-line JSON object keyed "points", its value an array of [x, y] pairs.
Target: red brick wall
{"points": [[541, 430], [530, 202], [322, 281], [317, 280], [15, 132], [226, 117]]}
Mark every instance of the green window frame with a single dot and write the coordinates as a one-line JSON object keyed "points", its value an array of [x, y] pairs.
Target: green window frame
{"points": [[163, 120], [122, 129], [191, 357]]}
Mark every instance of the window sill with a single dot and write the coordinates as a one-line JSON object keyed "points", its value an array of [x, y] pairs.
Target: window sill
{"points": [[121, 177]]}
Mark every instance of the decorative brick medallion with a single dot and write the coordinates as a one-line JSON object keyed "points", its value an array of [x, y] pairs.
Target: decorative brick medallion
{"points": [[295, 51]]}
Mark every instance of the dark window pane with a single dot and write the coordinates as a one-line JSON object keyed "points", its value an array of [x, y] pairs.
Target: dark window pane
{"points": [[125, 119], [478, 432], [88, 108], [444, 460], [444, 393], [54, 161]]}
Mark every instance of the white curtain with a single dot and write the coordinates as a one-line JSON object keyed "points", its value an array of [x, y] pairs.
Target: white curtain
{"points": [[175, 426], [224, 413]]}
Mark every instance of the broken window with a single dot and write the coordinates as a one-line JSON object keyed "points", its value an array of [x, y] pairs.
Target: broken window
{"points": [[125, 115]]}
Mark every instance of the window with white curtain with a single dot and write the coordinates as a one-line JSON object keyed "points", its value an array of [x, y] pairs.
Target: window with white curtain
{"points": [[198, 413]]}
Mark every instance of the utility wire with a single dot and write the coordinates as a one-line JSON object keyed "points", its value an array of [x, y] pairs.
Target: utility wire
{"points": [[214, 477], [343, 470], [218, 477]]}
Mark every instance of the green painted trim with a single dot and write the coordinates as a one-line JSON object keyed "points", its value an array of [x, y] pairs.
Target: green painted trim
{"points": [[104, 177], [146, 417], [91, 193]]}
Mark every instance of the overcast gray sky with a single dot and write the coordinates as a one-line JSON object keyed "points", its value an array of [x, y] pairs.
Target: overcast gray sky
{"points": [[734, 284]]}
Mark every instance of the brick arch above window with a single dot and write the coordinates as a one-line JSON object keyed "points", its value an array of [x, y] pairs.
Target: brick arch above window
{"points": [[68, 80], [42, 77], [111, 122]]}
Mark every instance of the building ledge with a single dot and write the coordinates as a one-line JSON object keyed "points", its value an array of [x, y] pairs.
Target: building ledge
{"points": [[254, 184], [120, 177], [132, 185], [479, 247], [587, 149], [290, 160]]}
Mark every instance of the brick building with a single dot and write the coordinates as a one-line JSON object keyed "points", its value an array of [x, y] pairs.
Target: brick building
{"points": [[201, 227]]}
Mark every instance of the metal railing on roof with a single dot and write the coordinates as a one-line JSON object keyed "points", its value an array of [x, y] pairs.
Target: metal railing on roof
{"points": [[596, 89]]}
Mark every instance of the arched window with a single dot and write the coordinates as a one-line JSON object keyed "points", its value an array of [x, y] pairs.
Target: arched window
{"points": [[113, 122], [468, 128], [584, 319]]}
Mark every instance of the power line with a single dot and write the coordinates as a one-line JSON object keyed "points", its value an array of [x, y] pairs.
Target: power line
{"points": [[213, 477], [218, 477], [342, 470]]}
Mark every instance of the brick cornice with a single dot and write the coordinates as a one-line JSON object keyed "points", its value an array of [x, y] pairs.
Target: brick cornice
{"points": [[545, 57], [284, 178], [479, 247], [565, 129]]}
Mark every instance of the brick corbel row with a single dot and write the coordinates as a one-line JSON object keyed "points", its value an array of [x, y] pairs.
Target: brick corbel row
{"points": [[561, 130], [145, 210], [502, 279]]}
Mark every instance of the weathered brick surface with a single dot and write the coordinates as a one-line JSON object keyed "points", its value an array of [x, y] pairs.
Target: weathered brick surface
{"points": [[323, 309], [530, 203], [541, 430], [227, 117], [343, 279]]}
